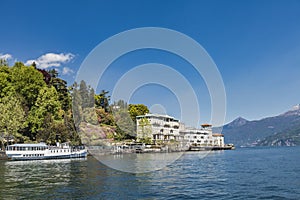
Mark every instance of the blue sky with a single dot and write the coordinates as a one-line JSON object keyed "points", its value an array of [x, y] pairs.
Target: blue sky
{"points": [[255, 45]]}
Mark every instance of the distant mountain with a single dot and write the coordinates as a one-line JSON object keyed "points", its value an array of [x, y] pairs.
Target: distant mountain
{"points": [[237, 122], [289, 137], [242, 132]]}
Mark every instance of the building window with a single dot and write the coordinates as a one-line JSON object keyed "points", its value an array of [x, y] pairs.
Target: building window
{"points": [[156, 124], [167, 126]]}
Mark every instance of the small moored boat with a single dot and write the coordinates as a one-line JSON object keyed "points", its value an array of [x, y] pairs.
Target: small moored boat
{"points": [[42, 151]]}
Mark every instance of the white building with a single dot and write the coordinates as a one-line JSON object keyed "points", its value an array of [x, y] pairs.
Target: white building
{"points": [[158, 127], [218, 140], [198, 137]]}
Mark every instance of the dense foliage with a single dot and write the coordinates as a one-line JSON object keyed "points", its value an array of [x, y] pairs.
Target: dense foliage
{"points": [[37, 106], [34, 105]]}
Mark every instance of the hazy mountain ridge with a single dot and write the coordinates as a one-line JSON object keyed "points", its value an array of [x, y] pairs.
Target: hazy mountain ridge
{"points": [[281, 130], [289, 137]]}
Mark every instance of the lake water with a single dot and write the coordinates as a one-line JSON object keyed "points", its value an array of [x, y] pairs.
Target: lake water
{"points": [[245, 173]]}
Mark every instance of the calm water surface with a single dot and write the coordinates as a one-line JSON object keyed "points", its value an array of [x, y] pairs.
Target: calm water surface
{"points": [[248, 173]]}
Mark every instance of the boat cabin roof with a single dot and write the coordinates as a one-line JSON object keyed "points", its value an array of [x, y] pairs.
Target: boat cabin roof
{"points": [[29, 145]]}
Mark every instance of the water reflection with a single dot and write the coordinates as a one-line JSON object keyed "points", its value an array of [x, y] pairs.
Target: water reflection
{"points": [[35, 176], [240, 174], [138, 163]]}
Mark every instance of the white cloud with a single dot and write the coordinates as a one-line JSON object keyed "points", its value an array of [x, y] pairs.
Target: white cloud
{"points": [[29, 62], [67, 71], [5, 56], [51, 60]]}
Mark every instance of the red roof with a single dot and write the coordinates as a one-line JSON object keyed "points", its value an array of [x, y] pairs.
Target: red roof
{"points": [[206, 125], [218, 134]]}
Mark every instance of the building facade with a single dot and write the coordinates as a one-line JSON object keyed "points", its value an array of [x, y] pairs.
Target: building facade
{"points": [[218, 140], [158, 127], [165, 128], [198, 137]]}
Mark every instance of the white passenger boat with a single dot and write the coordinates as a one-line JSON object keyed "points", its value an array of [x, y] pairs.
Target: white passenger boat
{"points": [[42, 151]]}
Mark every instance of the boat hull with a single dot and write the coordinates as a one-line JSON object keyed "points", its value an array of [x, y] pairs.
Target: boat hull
{"points": [[21, 157], [43, 152]]}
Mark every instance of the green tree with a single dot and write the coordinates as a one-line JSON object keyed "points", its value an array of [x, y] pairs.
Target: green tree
{"points": [[6, 87], [3, 63], [73, 135], [12, 116], [84, 93], [125, 126], [136, 110], [62, 90], [47, 103], [104, 118], [76, 104], [144, 130], [27, 81], [102, 100], [53, 73]]}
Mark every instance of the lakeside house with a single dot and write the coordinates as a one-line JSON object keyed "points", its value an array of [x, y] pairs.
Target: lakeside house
{"points": [[158, 127], [165, 128]]}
